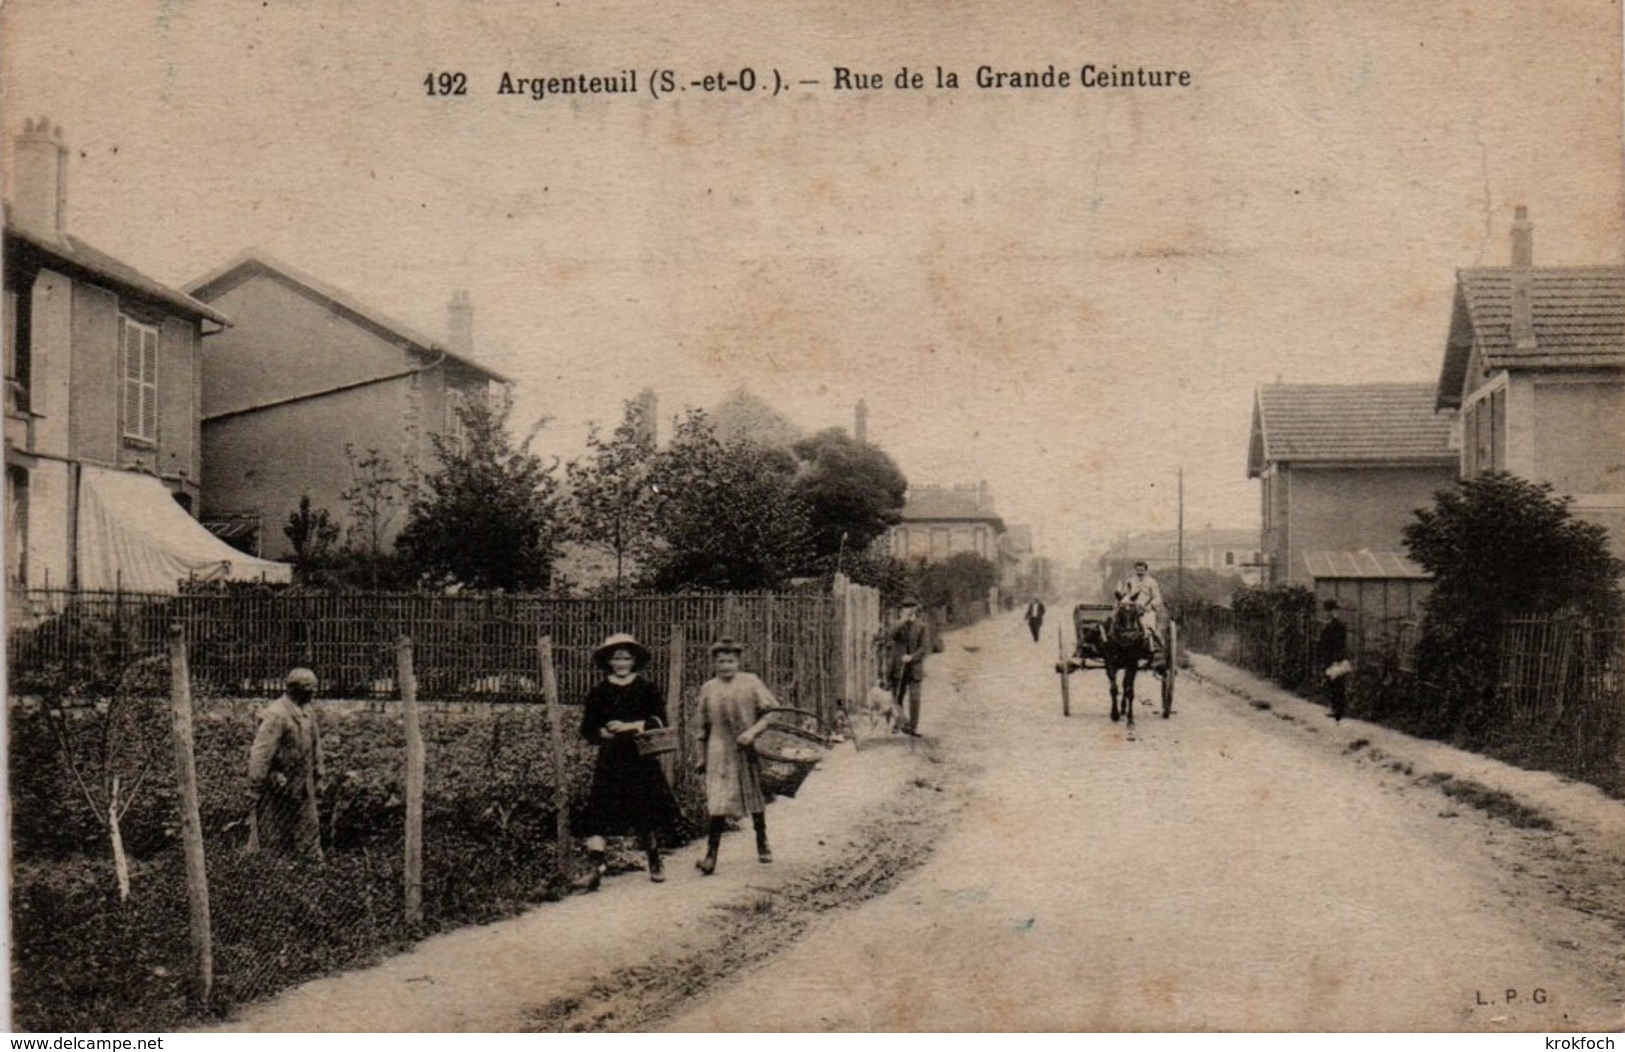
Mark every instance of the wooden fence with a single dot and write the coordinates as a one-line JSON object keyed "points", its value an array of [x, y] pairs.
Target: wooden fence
{"points": [[1558, 697], [810, 648]]}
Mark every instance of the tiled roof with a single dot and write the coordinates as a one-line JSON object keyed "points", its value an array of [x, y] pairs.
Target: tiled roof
{"points": [[939, 503], [1577, 317], [1363, 563], [94, 263], [255, 262], [1374, 423]]}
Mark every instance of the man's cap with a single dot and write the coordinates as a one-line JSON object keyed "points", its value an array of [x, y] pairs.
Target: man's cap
{"points": [[302, 677], [727, 645]]}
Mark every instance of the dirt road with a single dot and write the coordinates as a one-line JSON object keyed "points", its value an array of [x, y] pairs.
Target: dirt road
{"points": [[1242, 866], [1225, 870]]}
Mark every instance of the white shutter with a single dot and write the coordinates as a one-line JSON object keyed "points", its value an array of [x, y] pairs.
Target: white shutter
{"points": [[138, 380], [149, 384]]}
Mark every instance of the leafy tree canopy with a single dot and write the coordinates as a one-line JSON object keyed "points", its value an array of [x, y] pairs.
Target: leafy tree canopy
{"points": [[612, 506], [853, 490], [1499, 545], [490, 517], [727, 514]]}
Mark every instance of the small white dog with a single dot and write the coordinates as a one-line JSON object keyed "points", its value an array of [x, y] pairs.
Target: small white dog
{"points": [[882, 706]]}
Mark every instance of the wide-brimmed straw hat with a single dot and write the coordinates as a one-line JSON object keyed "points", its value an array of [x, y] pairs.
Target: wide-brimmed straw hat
{"points": [[727, 645], [621, 641]]}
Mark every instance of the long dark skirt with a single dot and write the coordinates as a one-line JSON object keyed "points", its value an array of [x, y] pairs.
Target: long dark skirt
{"points": [[629, 794]]}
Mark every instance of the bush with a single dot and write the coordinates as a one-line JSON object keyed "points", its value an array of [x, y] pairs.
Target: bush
{"points": [[1498, 546]]}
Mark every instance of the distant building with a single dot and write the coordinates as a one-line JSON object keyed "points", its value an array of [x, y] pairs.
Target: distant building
{"points": [[1015, 560], [1535, 362], [307, 371], [940, 521], [744, 416], [1342, 469], [1222, 550], [103, 455]]}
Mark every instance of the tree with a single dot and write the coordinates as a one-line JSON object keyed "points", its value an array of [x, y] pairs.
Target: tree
{"points": [[375, 497], [955, 583], [853, 490], [313, 533], [1499, 546], [727, 516], [490, 517], [612, 507]]}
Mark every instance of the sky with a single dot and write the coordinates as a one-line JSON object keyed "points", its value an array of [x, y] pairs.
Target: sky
{"points": [[1070, 293]]}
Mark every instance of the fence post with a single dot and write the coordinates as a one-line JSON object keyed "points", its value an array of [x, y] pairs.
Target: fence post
{"points": [[197, 877], [555, 734], [408, 680], [675, 715]]}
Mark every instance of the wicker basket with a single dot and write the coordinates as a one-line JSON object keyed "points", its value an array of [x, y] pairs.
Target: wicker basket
{"points": [[787, 755], [657, 742]]}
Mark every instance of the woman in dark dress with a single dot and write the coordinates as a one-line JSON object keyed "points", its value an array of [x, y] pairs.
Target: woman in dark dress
{"points": [[629, 792]]}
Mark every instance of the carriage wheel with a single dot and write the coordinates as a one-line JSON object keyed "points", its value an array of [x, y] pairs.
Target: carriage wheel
{"points": [[1172, 664], [1061, 667]]}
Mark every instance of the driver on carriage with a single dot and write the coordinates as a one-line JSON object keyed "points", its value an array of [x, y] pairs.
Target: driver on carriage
{"points": [[1144, 592]]}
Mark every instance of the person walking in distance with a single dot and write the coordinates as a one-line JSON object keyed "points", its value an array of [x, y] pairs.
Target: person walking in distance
{"points": [[1332, 655], [910, 641], [285, 771], [1035, 617], [629, 792], [734, 706]]}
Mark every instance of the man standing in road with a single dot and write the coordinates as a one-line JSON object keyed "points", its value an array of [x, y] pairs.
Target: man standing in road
{"points": [[910, 641], [284, 769], [1035, 617]]}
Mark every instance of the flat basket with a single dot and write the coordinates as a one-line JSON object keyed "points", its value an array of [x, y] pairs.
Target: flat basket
{"points": [[787, 753]]}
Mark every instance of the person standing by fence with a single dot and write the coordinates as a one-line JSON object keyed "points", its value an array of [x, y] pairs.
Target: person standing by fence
{"points": [[285, 771], [629, 793], [910, 641], [734, 706], [1331, 656]]}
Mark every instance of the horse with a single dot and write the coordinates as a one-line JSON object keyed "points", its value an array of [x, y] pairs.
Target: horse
{"points": [[1123, 644]]}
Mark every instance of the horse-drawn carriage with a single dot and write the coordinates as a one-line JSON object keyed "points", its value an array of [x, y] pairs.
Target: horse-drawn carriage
{"points": [[1111, 636]]}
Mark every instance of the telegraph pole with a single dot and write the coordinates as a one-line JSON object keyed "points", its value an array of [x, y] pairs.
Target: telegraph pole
{"points": [[1179, 573]]}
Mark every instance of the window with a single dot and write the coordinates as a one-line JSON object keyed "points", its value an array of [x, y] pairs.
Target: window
{"points": [[138, 385], [1230, 558]]}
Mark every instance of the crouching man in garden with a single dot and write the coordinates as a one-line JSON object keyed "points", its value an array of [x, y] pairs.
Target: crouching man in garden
{"points": [[284, 768]]}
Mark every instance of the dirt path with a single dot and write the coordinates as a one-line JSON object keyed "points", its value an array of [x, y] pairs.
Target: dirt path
{"points": [[635, 952], [1245, 866], [1228, 870]]}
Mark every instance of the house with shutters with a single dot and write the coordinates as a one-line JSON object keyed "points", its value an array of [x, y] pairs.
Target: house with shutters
{"points": [[306, 380], [104, 464], [1341, 469], [1535, 364]]}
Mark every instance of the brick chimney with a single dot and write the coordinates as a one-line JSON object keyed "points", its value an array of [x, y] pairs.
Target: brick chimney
{"points": [[460, 324], [648, 404], [1523, 261], [1523, 238], [40, 179], [860, 422]]}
